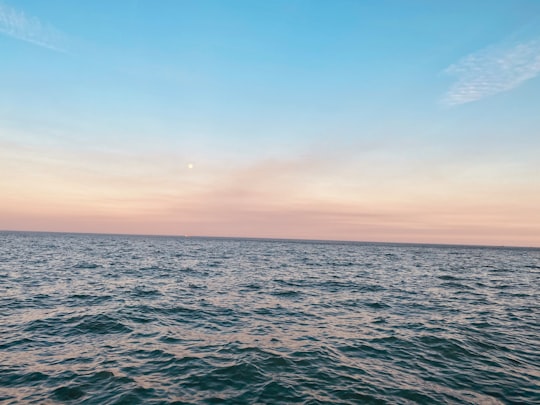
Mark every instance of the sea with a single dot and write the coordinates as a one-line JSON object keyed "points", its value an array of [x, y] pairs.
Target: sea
{"points": [[108, 319]]}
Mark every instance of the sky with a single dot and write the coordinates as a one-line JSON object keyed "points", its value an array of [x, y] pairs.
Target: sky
{"points": [[376, 120]]}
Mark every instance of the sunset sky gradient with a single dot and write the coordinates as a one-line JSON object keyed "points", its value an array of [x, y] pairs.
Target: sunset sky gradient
{"points": [[399, 121]]}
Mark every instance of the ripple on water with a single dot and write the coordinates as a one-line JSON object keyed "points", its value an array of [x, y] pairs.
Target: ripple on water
{"points": [[68, 393], [125, 320]]}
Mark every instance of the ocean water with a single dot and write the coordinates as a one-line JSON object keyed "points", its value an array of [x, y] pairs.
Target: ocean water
{"points": [[101, 319]]}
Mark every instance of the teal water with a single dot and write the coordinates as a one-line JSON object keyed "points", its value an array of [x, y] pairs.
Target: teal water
{"points": [[100, 319]]}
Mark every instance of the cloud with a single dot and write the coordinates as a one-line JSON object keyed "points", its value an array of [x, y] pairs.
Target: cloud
{"points": [[492, 70], [17, 24]]}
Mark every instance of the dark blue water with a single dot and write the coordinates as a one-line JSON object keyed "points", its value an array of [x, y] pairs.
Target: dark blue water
{"points": [[99, 319]]}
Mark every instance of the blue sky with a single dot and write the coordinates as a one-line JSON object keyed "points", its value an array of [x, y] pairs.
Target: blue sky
{"points": [[411, 103]]}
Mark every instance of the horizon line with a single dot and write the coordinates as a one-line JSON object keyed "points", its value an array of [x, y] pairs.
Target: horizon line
{"points": [[259, 238]]}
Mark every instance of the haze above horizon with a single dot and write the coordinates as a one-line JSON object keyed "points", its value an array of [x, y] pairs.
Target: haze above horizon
{"points": [[400, 121]]}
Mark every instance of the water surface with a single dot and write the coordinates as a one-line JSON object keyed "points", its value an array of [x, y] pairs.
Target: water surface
{"points": [[102, 319]]}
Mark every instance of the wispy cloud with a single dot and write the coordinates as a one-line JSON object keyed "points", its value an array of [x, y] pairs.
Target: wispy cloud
{"points": [[492, 70], [17, 24]]}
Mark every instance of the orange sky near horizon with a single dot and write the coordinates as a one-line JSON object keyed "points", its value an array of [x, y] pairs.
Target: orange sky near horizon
{"points": [[306, 198]]}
